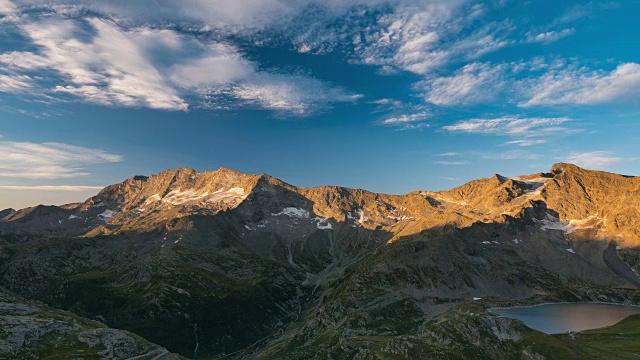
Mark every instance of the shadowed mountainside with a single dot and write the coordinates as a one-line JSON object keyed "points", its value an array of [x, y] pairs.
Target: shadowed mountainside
{"points": [[214, 263]]}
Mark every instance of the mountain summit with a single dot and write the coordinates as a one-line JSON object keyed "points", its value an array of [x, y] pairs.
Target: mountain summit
{"points": [[225, 263]]}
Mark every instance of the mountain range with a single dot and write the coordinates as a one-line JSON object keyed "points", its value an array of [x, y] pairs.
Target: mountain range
{"points": [[226, 265]]}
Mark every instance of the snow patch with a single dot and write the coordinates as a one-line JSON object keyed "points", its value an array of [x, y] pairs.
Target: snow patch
{"points": [[476, 298], [401, 218], [323, 223], [571, 251], [232, 194], [535, 185], [553, 223], [179, 197], [294, 213], [107, 215], [73, 217], [361, 218], [151, 199], [517, 241]]}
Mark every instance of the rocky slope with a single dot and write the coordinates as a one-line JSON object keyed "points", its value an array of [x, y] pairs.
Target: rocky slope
{"points": [[30, 330], [224, 263]]}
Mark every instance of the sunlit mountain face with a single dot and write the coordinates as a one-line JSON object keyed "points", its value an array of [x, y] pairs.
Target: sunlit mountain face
{"points": [[227, 264], [302, 179], [357, 93]]}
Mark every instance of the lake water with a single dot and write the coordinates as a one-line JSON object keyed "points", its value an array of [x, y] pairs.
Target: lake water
{"points": [[561, 318]]}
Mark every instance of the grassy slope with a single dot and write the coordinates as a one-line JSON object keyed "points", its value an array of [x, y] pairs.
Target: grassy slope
{"points": [[620, 341]]}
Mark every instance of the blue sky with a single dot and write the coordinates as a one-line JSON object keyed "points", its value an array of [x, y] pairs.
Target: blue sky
{"points": [[390, 96]]}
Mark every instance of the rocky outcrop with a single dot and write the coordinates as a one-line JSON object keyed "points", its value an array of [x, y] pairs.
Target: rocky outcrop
{"points": [[30, 330]]}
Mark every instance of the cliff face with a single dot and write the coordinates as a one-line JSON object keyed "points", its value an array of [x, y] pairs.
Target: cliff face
{"points": [[212, 263]]}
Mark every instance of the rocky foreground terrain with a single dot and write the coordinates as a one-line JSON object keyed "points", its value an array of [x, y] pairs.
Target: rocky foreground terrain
{"points": [[223, 265]]}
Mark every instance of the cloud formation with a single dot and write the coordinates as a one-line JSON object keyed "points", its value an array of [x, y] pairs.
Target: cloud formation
{"points": [[593, 159], [580, 86], [510, 126], [474, 83], [14, 83], [63, 188], [49, 160], [194, 54], [550, 36], [163, 68], [525, 143]]}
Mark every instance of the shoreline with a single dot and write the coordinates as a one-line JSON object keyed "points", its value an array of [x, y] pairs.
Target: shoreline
{"points": [[560, 303]]}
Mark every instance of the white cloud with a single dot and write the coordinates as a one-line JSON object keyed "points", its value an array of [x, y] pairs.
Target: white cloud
{"points": [[220, 64], [426, 36], [168, 68], [235, 15], [525, 143], [474, 83], [14, 83], [161, 69], [290, 94], [97, 69], [581, 86], [593, 159], [510, 126], [559, 84], [49, 160], [509, 155], [406, 118], [64, 188], [550, 36], [7, 7], [451, 162]]}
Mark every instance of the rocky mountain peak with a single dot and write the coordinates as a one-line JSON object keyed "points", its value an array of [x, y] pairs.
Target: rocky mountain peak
{"points": [[6, 212], [253, 252]]}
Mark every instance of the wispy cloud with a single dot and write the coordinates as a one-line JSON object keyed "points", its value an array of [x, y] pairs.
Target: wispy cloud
{"points": [[580, 86], [469, 157], [163, 68], [525, 143], [593, 159], [508, 155], [451, 162], [423, 38], [218, 65], [549, 36], [76, 48], [476, 82], [406, 118], [533, 83], [92, 66], [7, 7], [510, 126], [49, 160], [14, 83], [292, 94], [63, 188]]}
